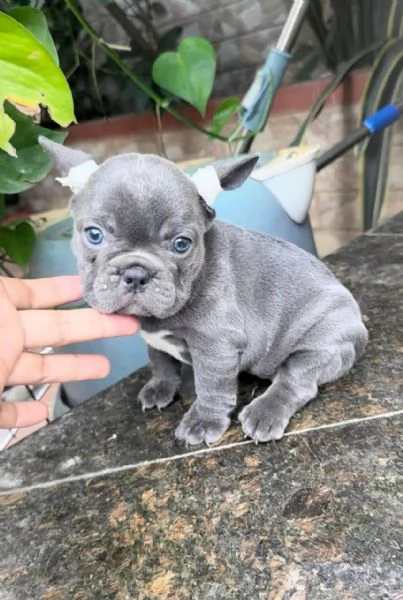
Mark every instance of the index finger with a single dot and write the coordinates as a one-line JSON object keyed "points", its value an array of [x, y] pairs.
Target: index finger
{"points": [[43, 293]]}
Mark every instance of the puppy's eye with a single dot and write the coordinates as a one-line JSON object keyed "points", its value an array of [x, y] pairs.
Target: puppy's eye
{"points": [[94, 236], [181, 244]]}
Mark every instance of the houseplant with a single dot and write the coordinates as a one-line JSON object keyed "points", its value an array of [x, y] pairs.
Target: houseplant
{"points": [[30, 80]]}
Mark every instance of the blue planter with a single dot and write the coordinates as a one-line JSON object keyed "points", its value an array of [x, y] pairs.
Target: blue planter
{"points": [[252, 207]]}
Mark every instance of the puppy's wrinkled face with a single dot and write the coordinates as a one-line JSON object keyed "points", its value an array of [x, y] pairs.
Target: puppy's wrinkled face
{"points": [[139, 228]]}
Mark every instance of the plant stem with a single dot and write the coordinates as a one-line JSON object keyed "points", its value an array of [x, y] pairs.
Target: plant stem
{"points": [[134, 78], [160, 134]]}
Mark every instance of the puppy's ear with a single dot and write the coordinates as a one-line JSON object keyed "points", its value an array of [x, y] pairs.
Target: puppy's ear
{"points": [[210, 181], [233, 174], [75, 166], [64, 158], [208, 211]]}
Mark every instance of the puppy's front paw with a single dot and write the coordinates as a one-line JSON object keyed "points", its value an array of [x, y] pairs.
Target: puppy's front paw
{"points": [[197, 429], [157, 394], [263, 420]]}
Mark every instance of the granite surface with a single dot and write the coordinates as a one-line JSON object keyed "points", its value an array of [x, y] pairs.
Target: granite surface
{"points": [[105, 504], [316, 516], [392, 226]]}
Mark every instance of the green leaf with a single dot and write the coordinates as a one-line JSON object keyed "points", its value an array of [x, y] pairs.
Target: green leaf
{"points": [[341, 73], [35, 21], [32, 163], [18, 242], [7, 128], [29, 77], [385, 87], [376, 81], [189, 72], [226, 110]]}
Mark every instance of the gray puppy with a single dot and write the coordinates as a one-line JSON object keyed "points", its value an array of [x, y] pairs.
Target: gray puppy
{"points": [[224, 299]]}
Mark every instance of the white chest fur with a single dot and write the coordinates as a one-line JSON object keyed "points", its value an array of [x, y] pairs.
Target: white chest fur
{"points": [[159, 340]]}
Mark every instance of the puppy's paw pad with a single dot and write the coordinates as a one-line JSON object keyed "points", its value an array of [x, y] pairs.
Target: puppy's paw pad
{"points": [[156, 394], [194, 429], [262, 423]]}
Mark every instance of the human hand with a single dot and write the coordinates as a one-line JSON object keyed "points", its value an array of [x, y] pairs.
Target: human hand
{"points": [[25, 323]]}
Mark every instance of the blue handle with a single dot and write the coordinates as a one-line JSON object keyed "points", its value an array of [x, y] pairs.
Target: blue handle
{"points": [[260, 96], [382, 119]]}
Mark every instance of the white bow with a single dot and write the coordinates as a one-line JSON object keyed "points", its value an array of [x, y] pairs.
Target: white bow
{"points": [[78, 176], [205, 179], [207, 183]]}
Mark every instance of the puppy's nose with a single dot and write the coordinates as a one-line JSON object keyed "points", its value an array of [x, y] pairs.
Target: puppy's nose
{"points": [[136, 278]]}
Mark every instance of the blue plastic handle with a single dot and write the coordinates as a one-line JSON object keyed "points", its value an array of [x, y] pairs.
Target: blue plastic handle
{"points": [[382, 119]]}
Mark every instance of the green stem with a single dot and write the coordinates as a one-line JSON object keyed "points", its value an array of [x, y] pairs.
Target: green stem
{"points": [[133, 77], [160, 133]]}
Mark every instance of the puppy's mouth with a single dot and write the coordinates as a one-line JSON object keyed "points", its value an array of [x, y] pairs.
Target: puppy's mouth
{"points": [[133, 288]]}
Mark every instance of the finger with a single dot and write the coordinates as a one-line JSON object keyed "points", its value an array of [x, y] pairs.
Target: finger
{"points": [[22, 414], [11, 335], [37, 368], [59, 328], [43, 293]]}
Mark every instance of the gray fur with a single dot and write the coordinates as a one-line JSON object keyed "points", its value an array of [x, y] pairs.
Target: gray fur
{"points": [[238, 301]]}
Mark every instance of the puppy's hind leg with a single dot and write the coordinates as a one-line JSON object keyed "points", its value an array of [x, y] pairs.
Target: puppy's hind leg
{"points": [[295, 384]]}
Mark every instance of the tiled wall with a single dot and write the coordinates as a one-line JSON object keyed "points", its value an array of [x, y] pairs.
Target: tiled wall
{"points": [[240, 30], [335, 210]]}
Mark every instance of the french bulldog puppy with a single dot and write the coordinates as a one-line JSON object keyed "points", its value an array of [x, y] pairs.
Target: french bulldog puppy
{"points": [[224, 299]]}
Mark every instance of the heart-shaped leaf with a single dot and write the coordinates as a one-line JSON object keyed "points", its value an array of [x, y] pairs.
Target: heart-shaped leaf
{"points": [[189, 72], [18, 242], [35, 21], [32, 163], [29, 76], [226, 110]]}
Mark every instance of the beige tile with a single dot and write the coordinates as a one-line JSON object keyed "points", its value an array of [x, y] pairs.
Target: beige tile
{"points": [[396, 167], [339, 210], [393, 204], [329, 241], [186, 145]]}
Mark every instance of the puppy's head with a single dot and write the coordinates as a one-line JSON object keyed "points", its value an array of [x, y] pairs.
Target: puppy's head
{"points": [[139, 227]]}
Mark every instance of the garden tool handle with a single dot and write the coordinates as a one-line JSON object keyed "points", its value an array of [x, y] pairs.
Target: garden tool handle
{"points": [[371, 125], [272, 74]]}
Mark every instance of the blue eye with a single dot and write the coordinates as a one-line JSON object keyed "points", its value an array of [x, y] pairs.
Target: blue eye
{"points": [[181, 245], [94, 236]]}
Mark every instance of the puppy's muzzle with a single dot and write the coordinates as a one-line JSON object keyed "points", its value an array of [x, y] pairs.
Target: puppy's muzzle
{"points": [[135, 279]]}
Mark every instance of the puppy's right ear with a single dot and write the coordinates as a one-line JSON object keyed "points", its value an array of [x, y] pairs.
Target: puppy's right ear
{"points": [[75, 166], [64, 158]]}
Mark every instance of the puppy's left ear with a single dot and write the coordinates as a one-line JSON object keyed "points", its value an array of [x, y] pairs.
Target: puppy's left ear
{"points": [[234, 174]]}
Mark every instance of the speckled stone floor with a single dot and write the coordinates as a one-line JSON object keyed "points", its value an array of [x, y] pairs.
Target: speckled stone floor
{"points": [[104, 504]]}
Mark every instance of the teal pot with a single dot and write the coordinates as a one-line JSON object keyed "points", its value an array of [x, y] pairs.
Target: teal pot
{"points": [[253, 206]]}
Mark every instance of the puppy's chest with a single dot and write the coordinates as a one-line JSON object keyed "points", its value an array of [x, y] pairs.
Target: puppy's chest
{"points": [[167, 342]]}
